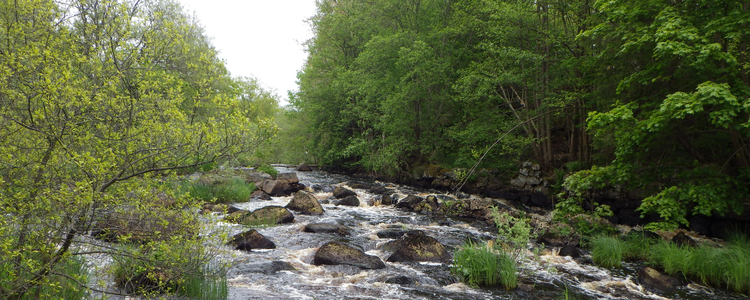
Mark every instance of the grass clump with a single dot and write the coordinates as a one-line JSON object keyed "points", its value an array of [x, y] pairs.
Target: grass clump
{"points": [[727, 267], [607, 251], [482, 265]]}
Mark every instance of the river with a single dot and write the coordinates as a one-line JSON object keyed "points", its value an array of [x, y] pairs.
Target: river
{"points": [[287, 272]]}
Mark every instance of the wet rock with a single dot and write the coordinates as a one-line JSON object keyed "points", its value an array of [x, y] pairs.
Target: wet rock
{"points": [[349, 201], [341, 192], [571, 251], [262, 216], [559, 235], [289, 177], [327, 228], [392, 233], [256, 177], [401, 280], [386, 199], [416, 246], [360, 185], [260, 195], [275, 187], [540, 200], [251, 239], [380, 190], [681, 239], [306, 203], [410, 202], [219, 208], [322, 188], [654, 281], [335, 253], [303, 167], [268, 268]]}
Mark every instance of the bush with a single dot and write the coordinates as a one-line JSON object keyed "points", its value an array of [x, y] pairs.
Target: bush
{"points": [[637, 245], [62, 284], [607, 251], [485, 266], [175, 267]]}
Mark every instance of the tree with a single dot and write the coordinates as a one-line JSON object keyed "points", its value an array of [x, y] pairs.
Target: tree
{"points": [[679, 122], [95, 94]]}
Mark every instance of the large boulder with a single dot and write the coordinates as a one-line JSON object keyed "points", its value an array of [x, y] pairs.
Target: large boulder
{"points": [[349, 201], [335, 253], [654, 281], [416, 246], [327, 228], [341, 192], [249, 240], [410, 202], [682, 239], [263, 216], [275, 187], [306, 203], [303, 167], [257, 177], [289, 177]]}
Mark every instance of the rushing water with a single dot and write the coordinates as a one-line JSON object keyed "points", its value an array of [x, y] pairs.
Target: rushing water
{"points": [[544, 275]]}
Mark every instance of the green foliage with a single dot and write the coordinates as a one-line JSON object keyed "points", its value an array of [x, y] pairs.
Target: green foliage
{"points": [[607, 251], [515, 231], [63, 284], [93, 106], [482, 265], [228, 191], [169, 268], [268, 170]]}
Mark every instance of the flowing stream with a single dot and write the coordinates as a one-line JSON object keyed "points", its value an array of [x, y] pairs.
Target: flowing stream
{"points": [[287, 272]]}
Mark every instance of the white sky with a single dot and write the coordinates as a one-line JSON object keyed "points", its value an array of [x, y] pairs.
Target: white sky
{"points": [[258, 38]]}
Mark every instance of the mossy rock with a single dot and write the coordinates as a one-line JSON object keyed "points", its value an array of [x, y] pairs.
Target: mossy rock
{"points": [[306, 203], [335, 253], [416, 246], [269, 215]]}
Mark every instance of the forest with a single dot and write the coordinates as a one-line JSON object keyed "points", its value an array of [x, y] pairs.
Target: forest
{"points": [[645, 95], [105, 103]]}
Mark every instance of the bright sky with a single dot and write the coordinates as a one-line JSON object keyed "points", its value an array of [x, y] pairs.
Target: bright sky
{"points": [[258, 38]]}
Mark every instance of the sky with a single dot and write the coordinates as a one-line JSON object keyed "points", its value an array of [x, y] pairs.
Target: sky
{"points": [[258, 38]]}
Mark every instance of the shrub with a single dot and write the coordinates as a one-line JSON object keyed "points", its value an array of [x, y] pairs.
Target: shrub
{"points": [[62, 284], [482, 265], [516, 231], [607, 251], [169, 268]]}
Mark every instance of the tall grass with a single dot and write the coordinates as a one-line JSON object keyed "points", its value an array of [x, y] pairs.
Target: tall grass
{"points": [[607, 251], [481, 265], [234, 190]]}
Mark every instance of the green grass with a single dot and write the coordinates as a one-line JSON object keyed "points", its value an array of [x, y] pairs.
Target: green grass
{"points": [[723, 267], [481, 265], [607, 251]]}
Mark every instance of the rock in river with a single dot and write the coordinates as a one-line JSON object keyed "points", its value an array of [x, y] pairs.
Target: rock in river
{"points": [[335, 253]]}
